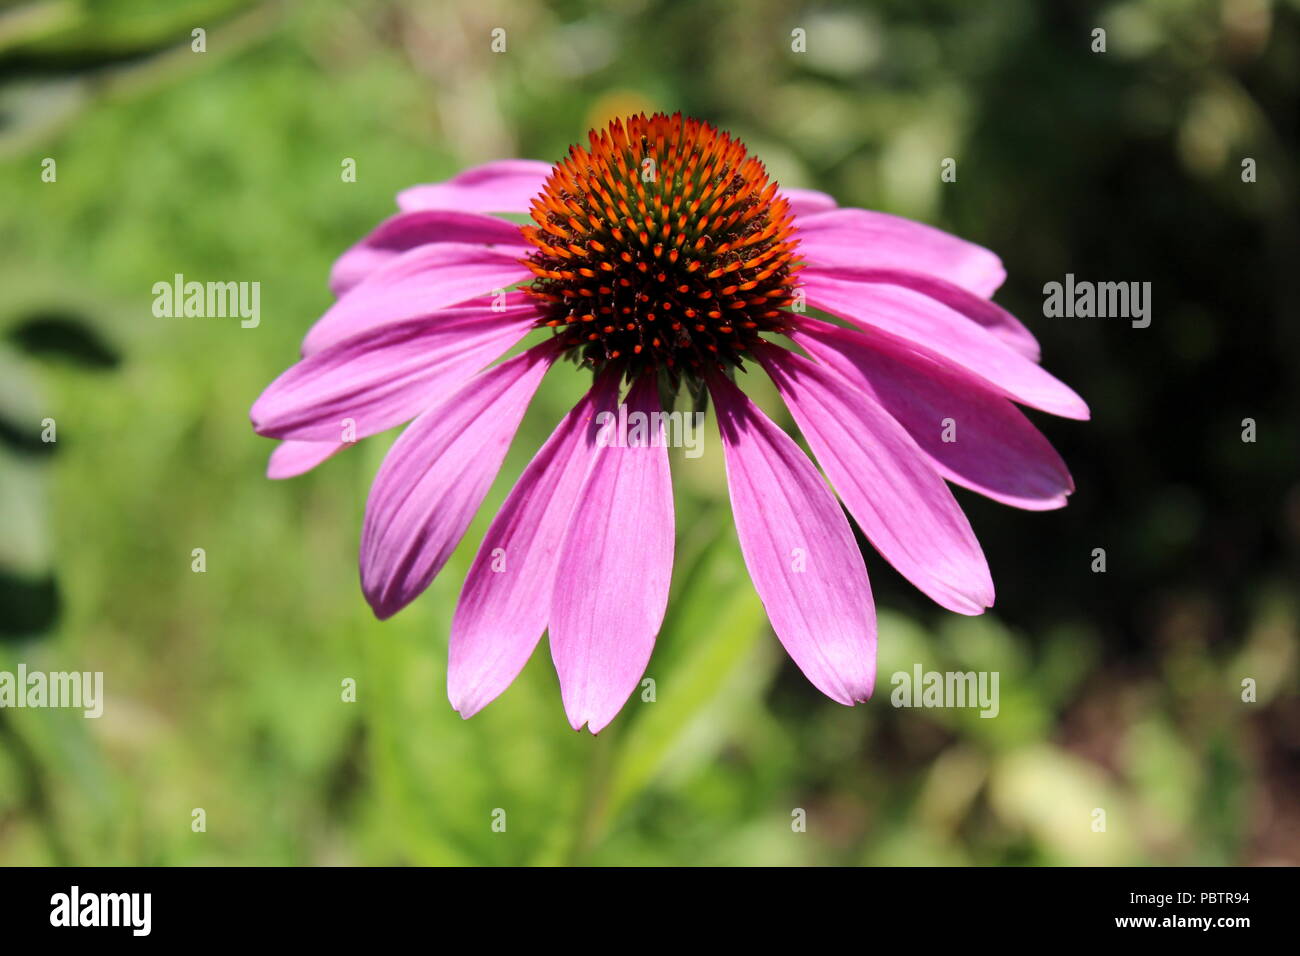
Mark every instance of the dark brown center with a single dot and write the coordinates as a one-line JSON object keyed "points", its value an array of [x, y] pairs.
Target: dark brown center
{"points": [[663, 246]]}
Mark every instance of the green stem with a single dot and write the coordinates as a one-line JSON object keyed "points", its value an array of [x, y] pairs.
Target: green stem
{"points": [[36, 797], [593, 805]]}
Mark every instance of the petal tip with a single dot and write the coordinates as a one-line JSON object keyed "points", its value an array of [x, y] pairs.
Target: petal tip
{"points": [[465, 704], [594, 721], [383, 605], [848, 695]]}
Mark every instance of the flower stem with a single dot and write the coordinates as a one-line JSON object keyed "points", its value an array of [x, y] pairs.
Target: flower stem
{"points": [[593, 805]]}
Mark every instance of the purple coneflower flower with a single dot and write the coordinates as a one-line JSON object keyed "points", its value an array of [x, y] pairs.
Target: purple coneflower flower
{"points": [[662, 256]]}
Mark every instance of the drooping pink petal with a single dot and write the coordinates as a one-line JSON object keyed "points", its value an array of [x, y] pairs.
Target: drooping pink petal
{"points": [[388, 374], [994, 450], [898, 499], [799, 549], [506, 601], [865, 239], [416, 283], [981, 311], [436, 475], [407, 230], [506, 185], [611, 582], [293, 458], [806, 202], [901, 318]]}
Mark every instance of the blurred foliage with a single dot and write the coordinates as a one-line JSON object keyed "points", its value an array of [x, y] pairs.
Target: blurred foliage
{"points": [[1119, 691]]}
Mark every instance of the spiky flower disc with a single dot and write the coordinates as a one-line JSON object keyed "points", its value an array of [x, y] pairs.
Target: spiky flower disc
{"points": [[662, 246]]}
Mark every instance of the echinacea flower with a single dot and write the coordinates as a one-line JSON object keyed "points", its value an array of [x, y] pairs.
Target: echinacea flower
{"points": [[663, 257]]}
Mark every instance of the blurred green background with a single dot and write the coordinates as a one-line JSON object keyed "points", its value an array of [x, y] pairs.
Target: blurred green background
{"points": [[1120, 691]]}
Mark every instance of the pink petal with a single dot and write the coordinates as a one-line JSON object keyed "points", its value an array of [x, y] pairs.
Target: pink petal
{"points": [[407, 230], [506, 601], [990, 315], [997, 452], [436, 475], [900, 502], [799, 549], [387, 375], [293, 458], [861, 238], [611, 582], [506, 185], [419, 282], [899, 318], [806, 202]]}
